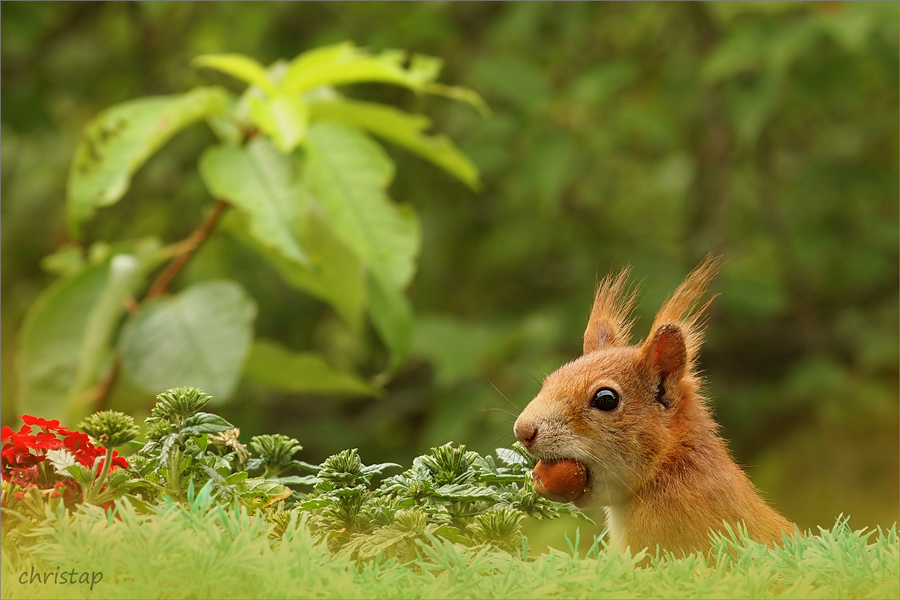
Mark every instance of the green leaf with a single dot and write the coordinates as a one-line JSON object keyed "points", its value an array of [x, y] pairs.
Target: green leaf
{"points": [[64, 341], [385, 541], [260, 182], [333, 272], [236, 477], [297, 480], [257, 491], [378, 468], [315, 503], [239, 66], [303, 372], [744, 52], [511, 457], [198, 338], [452, 533], [402, 129], [344, 63], [124, 274], [348, 173], [66, 261], [393, 319], [201, 423], [283, 118], [462, 491], [121, 138]]}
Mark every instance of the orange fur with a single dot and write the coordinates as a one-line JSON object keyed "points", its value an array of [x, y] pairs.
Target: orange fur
{"points": [[656, 461], [609, 323]]}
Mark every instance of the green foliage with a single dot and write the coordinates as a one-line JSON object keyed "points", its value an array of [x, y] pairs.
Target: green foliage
{"points": [[197, 337], [121, 139], [178, 404], [310, 188], [110, 428], [66, 338], [187, 504], [203, 551], [275, 453], [193, 458], [188, 449], [620, 133], [450, 493]]}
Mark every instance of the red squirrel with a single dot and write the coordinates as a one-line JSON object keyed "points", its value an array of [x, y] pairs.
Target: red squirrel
{"points": [[626, 427]]}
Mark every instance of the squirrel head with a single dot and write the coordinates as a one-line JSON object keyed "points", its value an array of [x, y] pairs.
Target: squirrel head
{"points": [[622, 410]]}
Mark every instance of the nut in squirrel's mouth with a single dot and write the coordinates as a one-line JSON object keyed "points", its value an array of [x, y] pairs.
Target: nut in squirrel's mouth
{"points": [[561, 480]]}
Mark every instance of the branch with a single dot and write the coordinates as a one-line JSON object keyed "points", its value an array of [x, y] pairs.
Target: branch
{"points": [[100, 393], [161, 284]]}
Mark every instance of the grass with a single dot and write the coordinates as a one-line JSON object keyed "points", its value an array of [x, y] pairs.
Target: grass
{"points": [[200, 550]]}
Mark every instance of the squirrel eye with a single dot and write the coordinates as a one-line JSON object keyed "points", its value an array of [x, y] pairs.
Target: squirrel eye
{"points": [[605, 399]]}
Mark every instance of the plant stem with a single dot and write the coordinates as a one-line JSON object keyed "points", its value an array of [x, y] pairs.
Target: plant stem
{"points": [[102, 389], [161, 284], [174, 483], [98, 483]]}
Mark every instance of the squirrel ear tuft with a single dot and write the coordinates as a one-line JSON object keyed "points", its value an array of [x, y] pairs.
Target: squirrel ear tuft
{"points": [[685, 310], [665, 352], [609, 324]]}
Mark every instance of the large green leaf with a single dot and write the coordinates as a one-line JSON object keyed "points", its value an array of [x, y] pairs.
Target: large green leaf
{"points": [[261, 182], [120, 139], [198, 338], [333, 272], [240, 66], [282, 117], [202, 422], [303, 372], [344, 63], [402, 129], [348, 173], [64, 342]]}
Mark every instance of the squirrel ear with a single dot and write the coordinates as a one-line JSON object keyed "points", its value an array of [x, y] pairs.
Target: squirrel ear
{"points": [[609, 324], [665, 351]]}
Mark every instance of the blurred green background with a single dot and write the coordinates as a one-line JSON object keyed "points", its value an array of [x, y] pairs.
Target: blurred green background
{"points": [[622, 133]]}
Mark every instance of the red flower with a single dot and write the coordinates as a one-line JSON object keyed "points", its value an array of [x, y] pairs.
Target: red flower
{"points": [[80, 445], [17, 458], [5, 433], [47, 441], [42, 423], [117, 461], [22, 451]]}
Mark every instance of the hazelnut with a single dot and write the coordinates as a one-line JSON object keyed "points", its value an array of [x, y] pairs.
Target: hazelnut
{"points": [[560, 480]]}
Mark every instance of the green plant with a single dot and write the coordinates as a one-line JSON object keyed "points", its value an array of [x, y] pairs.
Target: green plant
{"points": [[450, 493], [185, 519], [187, 449], [276, 454], [204, 550], [305, 185]]}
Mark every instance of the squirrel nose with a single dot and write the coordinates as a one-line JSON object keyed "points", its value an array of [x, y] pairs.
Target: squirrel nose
{"points": [[525, 433]]}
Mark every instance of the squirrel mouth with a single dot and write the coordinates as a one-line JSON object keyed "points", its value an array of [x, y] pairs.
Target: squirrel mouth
{"points": [[562, 480]]}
